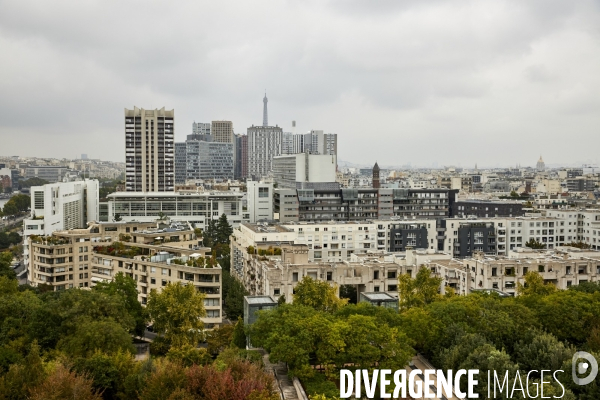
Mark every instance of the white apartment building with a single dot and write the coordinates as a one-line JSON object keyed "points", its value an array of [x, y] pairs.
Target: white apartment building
{"points": [[59, 206], [260, 200], [582, 225], [264, 143], [291, 169], [192, 207], [150, 150]]}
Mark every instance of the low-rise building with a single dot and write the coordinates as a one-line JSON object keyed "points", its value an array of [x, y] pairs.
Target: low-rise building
{"points": [[193, 207]]}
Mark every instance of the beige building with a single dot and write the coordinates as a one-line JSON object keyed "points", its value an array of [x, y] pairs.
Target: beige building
{"points": [[149, 150], [153, 255], [222, 131], [563, 267]]}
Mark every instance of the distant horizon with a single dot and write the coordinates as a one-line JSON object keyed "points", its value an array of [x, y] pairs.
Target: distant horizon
{"points": [[364, 165]]}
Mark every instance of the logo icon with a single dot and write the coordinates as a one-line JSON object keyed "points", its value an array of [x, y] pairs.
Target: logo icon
{"points": [[581, 367]]}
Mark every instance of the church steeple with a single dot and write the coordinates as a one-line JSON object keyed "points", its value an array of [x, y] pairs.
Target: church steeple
{"points": [[376, 184], [265, 114]]}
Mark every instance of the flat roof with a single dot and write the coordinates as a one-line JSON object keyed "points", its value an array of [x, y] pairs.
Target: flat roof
{"points": [[379, 296], [259, 300]]}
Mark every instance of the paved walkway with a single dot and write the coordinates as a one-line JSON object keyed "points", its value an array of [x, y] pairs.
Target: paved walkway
{"points": [[284, 383]]}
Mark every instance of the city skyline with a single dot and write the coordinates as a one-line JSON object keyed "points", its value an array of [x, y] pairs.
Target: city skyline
{"points": [[485, 83]]}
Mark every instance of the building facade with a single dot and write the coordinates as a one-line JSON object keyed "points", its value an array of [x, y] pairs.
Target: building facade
{"points": [[152, 256], [260, 200], [222, 131], [264, 143], [209, 160], [291, 170], [149, 150], [485, 209], [180, 163], [196, 208]]}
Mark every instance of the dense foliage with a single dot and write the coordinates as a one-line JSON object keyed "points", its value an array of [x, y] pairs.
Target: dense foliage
{"points": [[17, 203], [8, 239], [538, 330], [78, 344]]}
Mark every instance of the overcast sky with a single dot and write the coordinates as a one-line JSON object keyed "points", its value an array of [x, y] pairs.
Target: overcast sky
{"points": [[453, 82]]}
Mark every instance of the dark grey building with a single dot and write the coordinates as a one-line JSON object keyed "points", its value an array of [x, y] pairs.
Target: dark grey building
{"points": [[485, 209], [180, 163], [406, 234], [580, 184], [475, 236], [350, 204]]}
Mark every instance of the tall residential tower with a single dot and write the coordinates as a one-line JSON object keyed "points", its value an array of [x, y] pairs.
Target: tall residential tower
{"points": [[149, 150]]}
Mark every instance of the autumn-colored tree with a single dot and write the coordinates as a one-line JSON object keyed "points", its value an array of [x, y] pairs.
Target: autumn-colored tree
{"points": [[62, 383]]}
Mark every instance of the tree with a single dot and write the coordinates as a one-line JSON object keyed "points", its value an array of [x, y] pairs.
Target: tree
{"points": [[125, 287], [23, 376], [238, 338], [219, 338], [349, 292], [17, 204], [223, 230], [210, 233], [233, 292], [189, 355], [91, 336], [514, 194], [420, 291], [534, 244], [61, 383], [177, 312], [32, 182], [534, 285], [5, 269], [579, 245], [318, 295]]}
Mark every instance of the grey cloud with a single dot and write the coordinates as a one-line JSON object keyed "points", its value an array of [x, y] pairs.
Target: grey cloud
{"points": [[407, 73]]}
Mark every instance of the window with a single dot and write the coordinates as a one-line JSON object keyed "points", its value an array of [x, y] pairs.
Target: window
{"points": [[295, 277], [376, 288], [153, 281], [211, 302], [213, 313], [276, 292], [494, 271], [391, 274], [375, 274], [329, 275], [392, 288], [263, 192]]}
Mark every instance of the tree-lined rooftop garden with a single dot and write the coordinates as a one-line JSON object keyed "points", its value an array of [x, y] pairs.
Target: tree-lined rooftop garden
{"points": [[119, 249]]}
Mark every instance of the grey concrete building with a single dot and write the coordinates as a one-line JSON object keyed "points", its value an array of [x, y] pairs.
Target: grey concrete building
{"points": [[47, 173], [180, 163], [264, 143], [209, 160]]}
